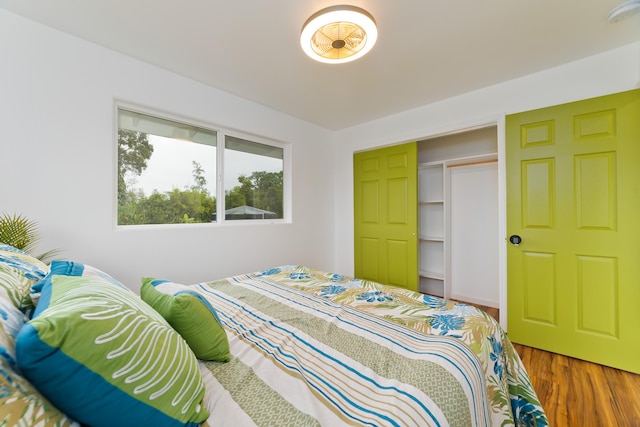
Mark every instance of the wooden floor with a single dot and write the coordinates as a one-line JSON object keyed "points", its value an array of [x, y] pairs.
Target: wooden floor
{"points": [[578, 393]]}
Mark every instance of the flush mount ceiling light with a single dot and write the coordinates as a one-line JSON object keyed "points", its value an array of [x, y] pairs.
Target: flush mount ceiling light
{"points": [[338, 34], [624, 10]]}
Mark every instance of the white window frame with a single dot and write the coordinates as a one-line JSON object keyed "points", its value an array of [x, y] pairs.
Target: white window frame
{"points": [[221, 134]]}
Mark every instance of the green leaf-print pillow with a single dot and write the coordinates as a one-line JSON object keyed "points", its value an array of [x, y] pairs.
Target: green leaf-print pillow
{"points": [[105, 358]]}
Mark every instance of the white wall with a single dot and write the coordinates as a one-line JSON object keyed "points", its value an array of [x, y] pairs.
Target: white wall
{"points": [[613, 71], [57, 162]]}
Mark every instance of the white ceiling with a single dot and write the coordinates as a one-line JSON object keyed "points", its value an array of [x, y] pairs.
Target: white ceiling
{"points": [[427, 50]]}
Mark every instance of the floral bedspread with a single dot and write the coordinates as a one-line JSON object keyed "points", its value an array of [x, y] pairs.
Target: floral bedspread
{"points": [[512, 399]]}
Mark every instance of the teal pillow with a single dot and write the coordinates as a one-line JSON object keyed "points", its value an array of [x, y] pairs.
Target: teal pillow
{"points": [[191, 315], [105, 358]]}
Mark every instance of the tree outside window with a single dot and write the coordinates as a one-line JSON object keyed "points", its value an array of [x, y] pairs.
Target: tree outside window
{"points": [[167, 174]]}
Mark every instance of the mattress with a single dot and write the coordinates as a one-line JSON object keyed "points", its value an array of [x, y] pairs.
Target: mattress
{"points": [[315, 348]]}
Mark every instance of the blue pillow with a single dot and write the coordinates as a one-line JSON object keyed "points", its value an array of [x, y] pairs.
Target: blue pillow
{"points": [[105, 358]]}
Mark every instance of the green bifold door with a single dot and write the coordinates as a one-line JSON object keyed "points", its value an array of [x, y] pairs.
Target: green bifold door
{"points": [[386, 215]]}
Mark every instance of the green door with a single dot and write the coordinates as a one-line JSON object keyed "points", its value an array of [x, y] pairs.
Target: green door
{"points": [[386, 215], [573, 197]]}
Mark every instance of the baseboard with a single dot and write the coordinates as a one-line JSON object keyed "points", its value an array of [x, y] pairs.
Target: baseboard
{"points": [[479, 301]]}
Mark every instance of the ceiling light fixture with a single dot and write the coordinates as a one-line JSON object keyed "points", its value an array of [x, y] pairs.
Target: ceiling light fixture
{"points": [[338, 34], [624, 10]]}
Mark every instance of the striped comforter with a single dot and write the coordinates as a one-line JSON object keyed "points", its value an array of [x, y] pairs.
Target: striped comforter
{"points": [[314, 348]]}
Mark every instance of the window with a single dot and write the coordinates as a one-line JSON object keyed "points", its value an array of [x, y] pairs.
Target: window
{"points": [[253, 180], [172, 173]]}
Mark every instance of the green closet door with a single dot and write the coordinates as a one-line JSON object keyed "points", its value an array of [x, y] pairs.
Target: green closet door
{"points": [[386, 215], [573, 196]]}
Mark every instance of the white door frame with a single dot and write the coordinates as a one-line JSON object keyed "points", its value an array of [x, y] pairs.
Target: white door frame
{"points": [[499, 121]]}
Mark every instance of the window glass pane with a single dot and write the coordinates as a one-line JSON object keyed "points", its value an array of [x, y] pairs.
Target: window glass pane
{"points": [[166, 171], [253, 180]]}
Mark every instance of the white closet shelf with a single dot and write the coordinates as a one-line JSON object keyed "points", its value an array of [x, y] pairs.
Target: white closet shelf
{"points": [[432, 274], [432, 238]]}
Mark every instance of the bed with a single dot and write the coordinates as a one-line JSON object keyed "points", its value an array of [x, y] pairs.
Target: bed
{"points": [[286, 346], [333, 350]]}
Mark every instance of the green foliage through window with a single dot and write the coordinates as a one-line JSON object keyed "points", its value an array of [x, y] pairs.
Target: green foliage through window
{"points": [[172, 207], [261, 190], [251, 193]]}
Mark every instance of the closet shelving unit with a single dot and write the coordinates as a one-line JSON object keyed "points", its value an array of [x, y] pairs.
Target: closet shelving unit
{"points": [[433, 225]]}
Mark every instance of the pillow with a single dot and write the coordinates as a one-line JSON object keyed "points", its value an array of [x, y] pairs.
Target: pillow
{"points": [[20, 403], [5, 247], [19, 271], [66, 268], [105, 358], [191, 315]]}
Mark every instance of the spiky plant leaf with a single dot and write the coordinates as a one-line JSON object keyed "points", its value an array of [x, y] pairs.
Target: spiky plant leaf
{"points": [[49, 255], [18, 231], [21, 233]]}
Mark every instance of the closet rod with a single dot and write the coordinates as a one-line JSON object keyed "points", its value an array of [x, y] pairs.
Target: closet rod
{"points": [[477, 162]]}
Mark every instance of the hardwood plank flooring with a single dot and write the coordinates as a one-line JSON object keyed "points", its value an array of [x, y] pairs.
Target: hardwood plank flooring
{"points": [[574, 392], [578, 393]]}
